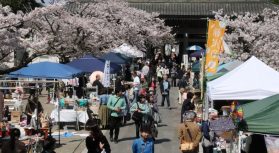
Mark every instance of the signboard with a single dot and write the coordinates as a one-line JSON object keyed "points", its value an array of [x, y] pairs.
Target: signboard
{"points": [[106, 78], [216, 30]]}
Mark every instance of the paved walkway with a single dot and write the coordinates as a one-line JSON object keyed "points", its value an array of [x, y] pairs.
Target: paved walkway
{"points": [[167, 141]]}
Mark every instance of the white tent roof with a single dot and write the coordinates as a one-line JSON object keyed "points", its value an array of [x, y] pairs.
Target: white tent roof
{"points": [[250, 81], [128, 50]]}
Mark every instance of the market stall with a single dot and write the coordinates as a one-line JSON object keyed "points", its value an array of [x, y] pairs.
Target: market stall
{"points": [[261, 125], [50, 71], [252, 80], [89, 64]]}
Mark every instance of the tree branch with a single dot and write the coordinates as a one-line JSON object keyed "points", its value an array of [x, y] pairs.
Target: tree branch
{"points": [[4, 55], [50, 25], [24, 63]]}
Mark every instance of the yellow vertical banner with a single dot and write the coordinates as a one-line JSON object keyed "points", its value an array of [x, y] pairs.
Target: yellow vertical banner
{"points": [[216, 31]]}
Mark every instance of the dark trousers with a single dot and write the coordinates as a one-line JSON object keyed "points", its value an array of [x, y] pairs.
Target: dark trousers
{"points": [[29, 117], [115, 123], [173, 81], [163, 99], [137, 129], [136, 95], [207, 149]]}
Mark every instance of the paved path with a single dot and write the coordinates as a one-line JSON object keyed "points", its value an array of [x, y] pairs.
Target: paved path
{"points": [[167, 141]]}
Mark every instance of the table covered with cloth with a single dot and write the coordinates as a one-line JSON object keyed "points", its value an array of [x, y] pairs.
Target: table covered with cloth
{"points": [[69, 115]]}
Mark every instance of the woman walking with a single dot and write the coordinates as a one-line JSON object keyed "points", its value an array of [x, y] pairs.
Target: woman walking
{"points": [[103, 110], [96, 142], [141, 108]]}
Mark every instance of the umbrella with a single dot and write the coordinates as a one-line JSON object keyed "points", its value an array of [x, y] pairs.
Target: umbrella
{"points": [[114, 58], [89, 64], [47, 70], [92, 77], [198, 53], [194, 47]]}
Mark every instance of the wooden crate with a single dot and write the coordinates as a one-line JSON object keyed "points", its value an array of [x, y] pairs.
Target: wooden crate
{"points": [[15, 116]]}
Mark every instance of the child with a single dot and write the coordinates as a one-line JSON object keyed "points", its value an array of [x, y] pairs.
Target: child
{"points": [[144, 140]]}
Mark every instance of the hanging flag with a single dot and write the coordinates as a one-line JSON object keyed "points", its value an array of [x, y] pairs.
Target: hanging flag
{"points": [[216, 31], [106, 78]]}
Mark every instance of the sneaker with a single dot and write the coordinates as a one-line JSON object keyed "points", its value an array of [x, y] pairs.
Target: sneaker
{"points": [[115, 141], [111, 139]]}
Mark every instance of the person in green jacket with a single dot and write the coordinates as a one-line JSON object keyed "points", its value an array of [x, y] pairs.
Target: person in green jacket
{"points": [[117, 105], [141, 107]]}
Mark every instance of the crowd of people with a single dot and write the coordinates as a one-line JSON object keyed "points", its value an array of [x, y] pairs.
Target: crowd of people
{"points": [[135, 98]]}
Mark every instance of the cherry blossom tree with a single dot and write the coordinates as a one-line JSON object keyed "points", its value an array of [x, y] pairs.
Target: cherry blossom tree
{"points": [[75, 28], [253, 34], [23, 5]]}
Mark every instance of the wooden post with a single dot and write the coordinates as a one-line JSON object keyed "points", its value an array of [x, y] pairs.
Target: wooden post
{"points": [[1, 105]]}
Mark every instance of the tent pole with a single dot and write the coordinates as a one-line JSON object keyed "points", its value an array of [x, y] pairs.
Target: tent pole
{"points": [[37, 97], [59, 124]]}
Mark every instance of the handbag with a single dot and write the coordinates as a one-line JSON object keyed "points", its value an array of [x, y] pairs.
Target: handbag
{"points": [[137, 116], [128, 117], [187, 146]]}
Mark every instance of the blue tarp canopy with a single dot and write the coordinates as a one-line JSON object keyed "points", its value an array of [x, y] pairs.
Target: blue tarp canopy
{"points": [[48, 70], [89, 64], [115, 58]]}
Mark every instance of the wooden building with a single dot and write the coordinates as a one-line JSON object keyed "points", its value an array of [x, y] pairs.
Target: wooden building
{"points": [[189, 17]]}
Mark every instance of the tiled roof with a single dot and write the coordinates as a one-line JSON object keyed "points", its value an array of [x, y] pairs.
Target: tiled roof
{"points": [[201, 8]]}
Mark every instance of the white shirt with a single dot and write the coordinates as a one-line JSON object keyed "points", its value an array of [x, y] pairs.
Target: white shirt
{"points": [[166, 71], [159, 72], [136, 83], [145, 70]]}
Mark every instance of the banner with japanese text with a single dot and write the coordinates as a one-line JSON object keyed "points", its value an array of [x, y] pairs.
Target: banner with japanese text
{"points": [[216, 31], [106, 79]]}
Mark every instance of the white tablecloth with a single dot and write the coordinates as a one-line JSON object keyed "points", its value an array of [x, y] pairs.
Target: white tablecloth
{"points": [[67, 115]]}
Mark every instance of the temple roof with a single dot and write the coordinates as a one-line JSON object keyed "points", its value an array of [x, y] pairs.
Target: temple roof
{"points": [[200, 7]]}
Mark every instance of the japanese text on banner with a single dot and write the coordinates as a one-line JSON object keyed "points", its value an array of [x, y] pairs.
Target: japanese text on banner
{"points": [[214, 42]]}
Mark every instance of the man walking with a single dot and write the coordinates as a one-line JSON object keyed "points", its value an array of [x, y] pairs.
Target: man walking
{"points": [[136, 86], [117, 105], [165, 90]]}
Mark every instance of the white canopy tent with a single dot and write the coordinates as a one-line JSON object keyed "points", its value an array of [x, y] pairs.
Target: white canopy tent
{"points": [[128, 50], [252, 80]]}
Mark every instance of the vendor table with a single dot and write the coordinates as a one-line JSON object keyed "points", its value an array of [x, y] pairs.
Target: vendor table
{"points": [[12, 103], [68, 115]]}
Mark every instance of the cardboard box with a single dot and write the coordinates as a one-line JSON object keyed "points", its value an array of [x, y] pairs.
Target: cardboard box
{"points": [[15, 116]]}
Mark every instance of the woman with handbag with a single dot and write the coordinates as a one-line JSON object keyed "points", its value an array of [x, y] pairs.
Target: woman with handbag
{"points": [[139, 109], [189, 133]]}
